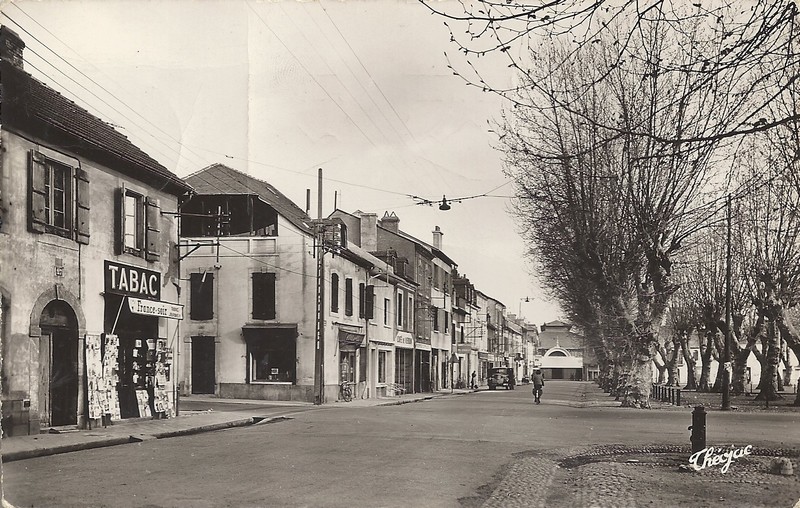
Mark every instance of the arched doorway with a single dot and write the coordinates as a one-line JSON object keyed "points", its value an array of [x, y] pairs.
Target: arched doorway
{"points": [[58, 364]]}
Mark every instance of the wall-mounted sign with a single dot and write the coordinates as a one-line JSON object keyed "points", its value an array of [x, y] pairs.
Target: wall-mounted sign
{"points": [[151, 308], [132, 281], [404, 338]]}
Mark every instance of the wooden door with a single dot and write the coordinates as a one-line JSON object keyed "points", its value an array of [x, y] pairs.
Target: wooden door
{"points": [[203, 365], [45, 342]]}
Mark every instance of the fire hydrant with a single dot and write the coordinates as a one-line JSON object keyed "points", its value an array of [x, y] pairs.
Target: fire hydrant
{"points": [[698, 428]]}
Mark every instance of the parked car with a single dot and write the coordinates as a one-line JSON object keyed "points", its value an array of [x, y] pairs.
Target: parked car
{"points": [[501, 376]]}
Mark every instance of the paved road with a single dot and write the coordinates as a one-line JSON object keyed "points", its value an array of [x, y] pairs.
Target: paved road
{"points": [[450, 451]]}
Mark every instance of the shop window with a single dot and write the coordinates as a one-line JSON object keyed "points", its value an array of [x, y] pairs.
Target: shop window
{"points": [[334, 292], [272, 360], [382, 357], [137, 225], [201, 299], [347, 373], [348, 297], [386, 304], [58, 198], [263, 295]]}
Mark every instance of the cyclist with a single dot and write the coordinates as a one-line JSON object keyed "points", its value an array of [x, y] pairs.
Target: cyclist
{"points": [[538, 382]]}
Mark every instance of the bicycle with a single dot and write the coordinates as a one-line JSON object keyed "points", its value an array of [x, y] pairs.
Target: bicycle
{"points": [[345, 392]]}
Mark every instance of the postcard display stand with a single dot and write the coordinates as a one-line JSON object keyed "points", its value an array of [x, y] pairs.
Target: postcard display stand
{"points": [[163, 402], [150, 373], [141, 366], [102, 376]]}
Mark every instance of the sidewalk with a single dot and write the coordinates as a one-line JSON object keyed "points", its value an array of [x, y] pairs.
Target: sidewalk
{"points": [[189, 421]]}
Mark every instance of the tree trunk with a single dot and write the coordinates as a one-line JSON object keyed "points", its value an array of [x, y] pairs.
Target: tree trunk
{"points": [[662, 366], [739, 377], [705, 373], [719, 345], [640, 376], [796, 349], [761, 356], [672, 363], [769, 389], [691, 379], [792, 338]]}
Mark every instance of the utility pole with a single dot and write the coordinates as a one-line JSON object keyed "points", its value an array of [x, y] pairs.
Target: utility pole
{"points": [[726, 377], [319, 335]]}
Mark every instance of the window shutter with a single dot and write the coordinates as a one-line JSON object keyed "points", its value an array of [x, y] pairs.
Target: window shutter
{"points": [[263, 295], [37, 193], [119, 219], [362, 300], [348, 297], [334, 292], [269, 296], [152, 219], [369, 310], [82, 210]]}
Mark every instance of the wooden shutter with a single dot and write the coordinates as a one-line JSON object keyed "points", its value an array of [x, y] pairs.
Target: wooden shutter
{"points": [[152, 221], [263, 295], [37, 193], [348, 297], [119, 221], [334, 292], [82, 199], [369, 303], [362, 300], [269, 297]]}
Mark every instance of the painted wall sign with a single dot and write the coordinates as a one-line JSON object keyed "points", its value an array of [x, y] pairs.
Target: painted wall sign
{"points": [[151, 308], [132, 281]]}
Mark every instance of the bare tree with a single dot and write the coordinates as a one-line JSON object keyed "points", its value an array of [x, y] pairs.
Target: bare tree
{"points": [[631, 199], [736, 47]]}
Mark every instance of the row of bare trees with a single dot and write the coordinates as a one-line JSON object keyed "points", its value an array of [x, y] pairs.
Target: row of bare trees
{"points": [[627, 127]]}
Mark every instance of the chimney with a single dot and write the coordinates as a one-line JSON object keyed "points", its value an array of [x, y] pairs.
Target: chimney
{"points": [[369, 231], [11, 47], [390, 222], [437, 237]]}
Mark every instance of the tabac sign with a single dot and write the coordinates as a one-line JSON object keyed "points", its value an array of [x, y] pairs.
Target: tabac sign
{"points": [[132, 281]]}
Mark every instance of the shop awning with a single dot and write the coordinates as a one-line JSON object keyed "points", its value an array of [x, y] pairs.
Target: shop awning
{"points": [[350, 339]]}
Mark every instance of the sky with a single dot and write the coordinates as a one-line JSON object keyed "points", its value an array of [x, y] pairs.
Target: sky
{"points": [[279, 89]]}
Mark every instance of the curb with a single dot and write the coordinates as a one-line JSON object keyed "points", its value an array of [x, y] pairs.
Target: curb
{"points": [[420, 399], [115, 441], [203, 428], [75, 447]]}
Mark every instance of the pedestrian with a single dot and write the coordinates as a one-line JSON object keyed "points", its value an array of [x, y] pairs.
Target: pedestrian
{"points": [[538, 383], [474, 382]]}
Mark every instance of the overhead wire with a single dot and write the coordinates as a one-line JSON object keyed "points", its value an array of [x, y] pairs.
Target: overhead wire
{"points": [[104, 89], [180, 143], [374, 82]]}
